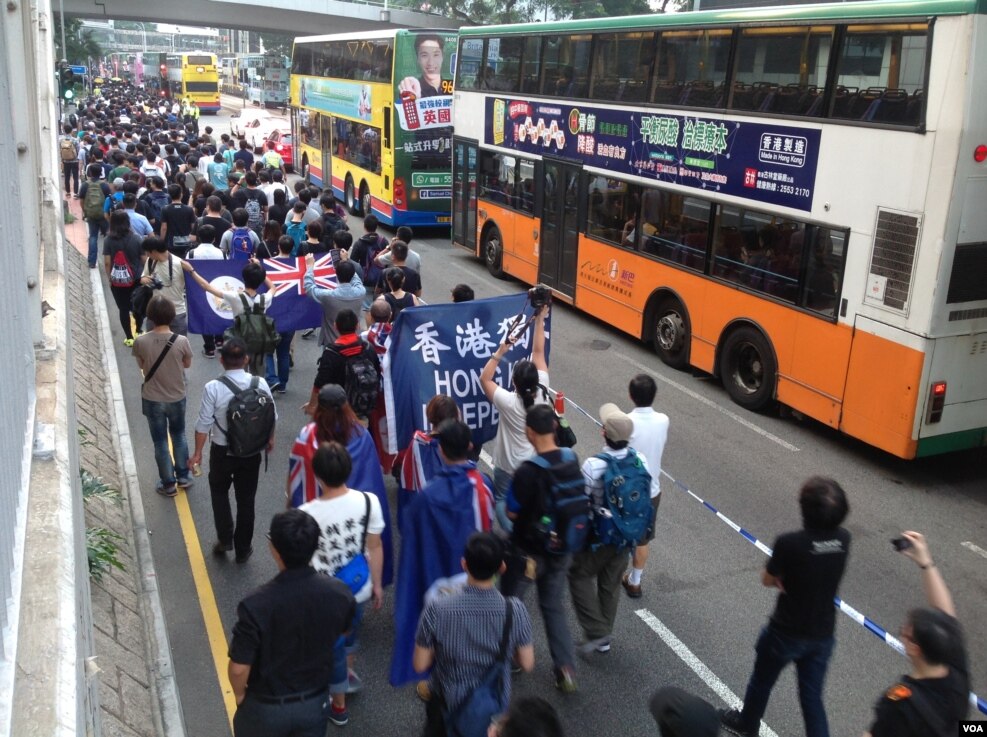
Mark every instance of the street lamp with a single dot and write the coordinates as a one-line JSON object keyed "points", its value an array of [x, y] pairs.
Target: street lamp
{"points": [[143, 35]]}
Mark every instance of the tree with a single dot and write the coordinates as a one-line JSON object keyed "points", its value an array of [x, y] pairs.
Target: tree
{"points": [[276, 43], [482, 12], [81, 46]]}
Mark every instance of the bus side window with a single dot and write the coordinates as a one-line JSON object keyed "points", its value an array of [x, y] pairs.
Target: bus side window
{"points": [[822, 273]]}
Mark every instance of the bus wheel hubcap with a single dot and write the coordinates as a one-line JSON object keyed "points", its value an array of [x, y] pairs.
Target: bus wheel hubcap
{"points": [[749, 373], [671, 329]]}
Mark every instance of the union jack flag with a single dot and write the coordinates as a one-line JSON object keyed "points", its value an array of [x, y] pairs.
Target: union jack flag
{"points": [[289, 275]]}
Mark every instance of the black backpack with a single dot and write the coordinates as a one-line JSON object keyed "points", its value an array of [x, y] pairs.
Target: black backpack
{"points": [[249, 418], [565, 524], [331, 222], [362, 382]]}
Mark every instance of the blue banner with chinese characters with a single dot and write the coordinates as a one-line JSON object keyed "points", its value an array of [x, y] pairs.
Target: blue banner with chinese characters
{"points": [[290, 306], [759, 161], [441, 349]]}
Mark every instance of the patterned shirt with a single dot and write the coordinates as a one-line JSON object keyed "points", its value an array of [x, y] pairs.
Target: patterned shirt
{"points": [[464, 630]]}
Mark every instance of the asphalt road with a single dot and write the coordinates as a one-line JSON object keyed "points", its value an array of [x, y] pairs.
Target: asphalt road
{"points": [[702, 584]]}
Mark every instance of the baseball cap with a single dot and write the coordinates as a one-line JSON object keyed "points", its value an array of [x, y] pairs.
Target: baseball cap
{"points": [[616, 425], [118, 182], [332, 395]]}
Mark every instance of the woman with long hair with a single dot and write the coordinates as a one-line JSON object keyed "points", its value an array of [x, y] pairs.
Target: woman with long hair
{"points": [[511, 446], [397, 298], [123, 260], [269, 240]]}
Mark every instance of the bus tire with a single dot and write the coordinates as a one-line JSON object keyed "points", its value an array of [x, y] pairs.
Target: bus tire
{"points": [[350, 196], [671, 334], [365, 203], [493, 251], [748, 368]]}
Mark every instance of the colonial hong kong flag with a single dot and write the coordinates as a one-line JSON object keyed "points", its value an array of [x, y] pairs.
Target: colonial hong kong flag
{"points": [[291, 307]]}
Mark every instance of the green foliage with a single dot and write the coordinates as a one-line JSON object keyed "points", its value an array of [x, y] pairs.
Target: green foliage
{"points": [[80, 45], [102, 546], [93, 487], [483, 12], [276, 43]]}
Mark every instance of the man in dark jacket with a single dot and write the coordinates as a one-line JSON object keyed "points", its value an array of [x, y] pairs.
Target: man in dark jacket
{"points": [[347, 347]]}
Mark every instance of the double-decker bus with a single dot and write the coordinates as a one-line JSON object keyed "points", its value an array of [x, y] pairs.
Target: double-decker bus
{"points": [[371, 116], [263, 78], [194, 76], [789, 198]]}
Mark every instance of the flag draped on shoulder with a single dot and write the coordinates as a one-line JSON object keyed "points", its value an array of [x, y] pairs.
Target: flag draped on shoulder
{"points": [[457, 502], [290, 307]]}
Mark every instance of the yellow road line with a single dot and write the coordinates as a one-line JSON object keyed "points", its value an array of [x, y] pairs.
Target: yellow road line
{"points": [[207, 601]]}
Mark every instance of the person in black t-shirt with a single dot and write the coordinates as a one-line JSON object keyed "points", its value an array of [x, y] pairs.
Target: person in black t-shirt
{"points": [[933, 697], [176, 223], [527, 502], [806, 566]]}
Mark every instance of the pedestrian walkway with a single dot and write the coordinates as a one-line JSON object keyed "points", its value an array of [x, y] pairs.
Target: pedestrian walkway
{"points": [[137, 692]]}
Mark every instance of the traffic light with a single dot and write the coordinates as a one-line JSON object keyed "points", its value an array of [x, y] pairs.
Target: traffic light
{"points": [[66, 82]]}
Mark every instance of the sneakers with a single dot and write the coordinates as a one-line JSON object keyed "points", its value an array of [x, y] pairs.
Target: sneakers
{"points": [[244, 556], [734, 723], [208, 353], [273, 385], [600, 645], [354, 682], [165, 489], [222, 548], [186, 483], [129, 342], [632, 591], [565, 681], [308, 333], [281, 389], [339, 717]]}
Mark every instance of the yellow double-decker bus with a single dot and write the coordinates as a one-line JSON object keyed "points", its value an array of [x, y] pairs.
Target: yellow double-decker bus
{"points": [[371, 116], [194, 76]]}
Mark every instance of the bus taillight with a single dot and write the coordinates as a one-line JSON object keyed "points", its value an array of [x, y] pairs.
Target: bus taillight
{"points": [[937, 400], [980, 153], [399, 193]]}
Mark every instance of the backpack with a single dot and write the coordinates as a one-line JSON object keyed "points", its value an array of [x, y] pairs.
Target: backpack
{"points": [[92, 205], [249, 419], [156, 201], [374, 245], [331, 222], [564, 526], [255, 327], [254, 217], [296, 231], [472, 717], [116, 204], [67, 149], [241, 244], [121, 275], [362, 383], [626, 516]]}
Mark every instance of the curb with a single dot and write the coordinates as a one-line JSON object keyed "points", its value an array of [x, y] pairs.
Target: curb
{"points": [[169, 721]]}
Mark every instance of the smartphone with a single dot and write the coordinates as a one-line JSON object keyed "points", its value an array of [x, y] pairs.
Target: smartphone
{"points": [[901, 543], [334, 253]]}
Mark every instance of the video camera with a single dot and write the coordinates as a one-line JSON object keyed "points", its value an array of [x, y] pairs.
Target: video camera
{"points": [[539, 296]]}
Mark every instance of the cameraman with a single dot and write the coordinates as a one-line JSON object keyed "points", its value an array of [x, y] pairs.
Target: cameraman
{"points": [[934, 696], [511, 446]]}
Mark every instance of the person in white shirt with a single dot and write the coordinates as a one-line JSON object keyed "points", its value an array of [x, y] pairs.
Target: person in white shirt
{"points": [[650, 434], [208, 251], [225, 469]]}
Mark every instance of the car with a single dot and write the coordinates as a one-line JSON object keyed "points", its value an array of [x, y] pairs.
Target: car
{"points": [[281, 138], [246, 121], [258, 135]]}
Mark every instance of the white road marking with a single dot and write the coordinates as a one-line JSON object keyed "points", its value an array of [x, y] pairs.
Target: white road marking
{"points": [[709, 403], [700, 668], [975, 548]]}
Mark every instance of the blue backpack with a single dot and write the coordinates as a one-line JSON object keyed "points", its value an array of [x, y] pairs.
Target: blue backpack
{"points": [[241, 244], [626, 516], [564, 525], [296, 231]]}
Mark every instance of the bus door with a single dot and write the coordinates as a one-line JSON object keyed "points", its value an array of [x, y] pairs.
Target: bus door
{"points": [[464, 164], [559, 226], [325, 146]]}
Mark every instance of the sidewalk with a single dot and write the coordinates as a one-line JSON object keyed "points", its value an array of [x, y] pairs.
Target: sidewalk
{"points": [[137, 694]]}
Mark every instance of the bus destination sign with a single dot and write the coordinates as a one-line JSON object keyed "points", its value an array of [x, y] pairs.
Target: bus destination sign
{"points": [[768, 163]]}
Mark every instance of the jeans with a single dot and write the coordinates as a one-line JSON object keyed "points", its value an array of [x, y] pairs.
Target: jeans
{"points": [[502, 482], [164, 419], [308, 718], [242, 473], [279, 362], [346, 645], [550, 577], [71, 171], [774, 651], [594, 582], [95, 228]]}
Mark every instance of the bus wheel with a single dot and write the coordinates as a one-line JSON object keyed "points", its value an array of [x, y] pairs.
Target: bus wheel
{"points": [[749, 369], [364, 199], [493, 252], [671, 333], [351, 203]]}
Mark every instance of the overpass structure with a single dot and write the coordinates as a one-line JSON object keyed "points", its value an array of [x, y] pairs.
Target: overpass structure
{"points": [[299, 17]]}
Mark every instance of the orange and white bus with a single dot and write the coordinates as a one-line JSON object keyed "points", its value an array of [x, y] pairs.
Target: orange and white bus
{"points": [[789, 198]]}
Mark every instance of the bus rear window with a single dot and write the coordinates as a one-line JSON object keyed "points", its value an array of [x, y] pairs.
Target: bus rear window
{"points": [[881, 74], [968, 279], [201, 86], [199, 60]]}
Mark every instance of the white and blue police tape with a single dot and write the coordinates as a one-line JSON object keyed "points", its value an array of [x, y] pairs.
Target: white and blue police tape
{"points": [[869, 624]]}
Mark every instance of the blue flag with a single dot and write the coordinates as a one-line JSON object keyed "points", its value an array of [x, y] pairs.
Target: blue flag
{"points": [[291, 308], [441, 349]]}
